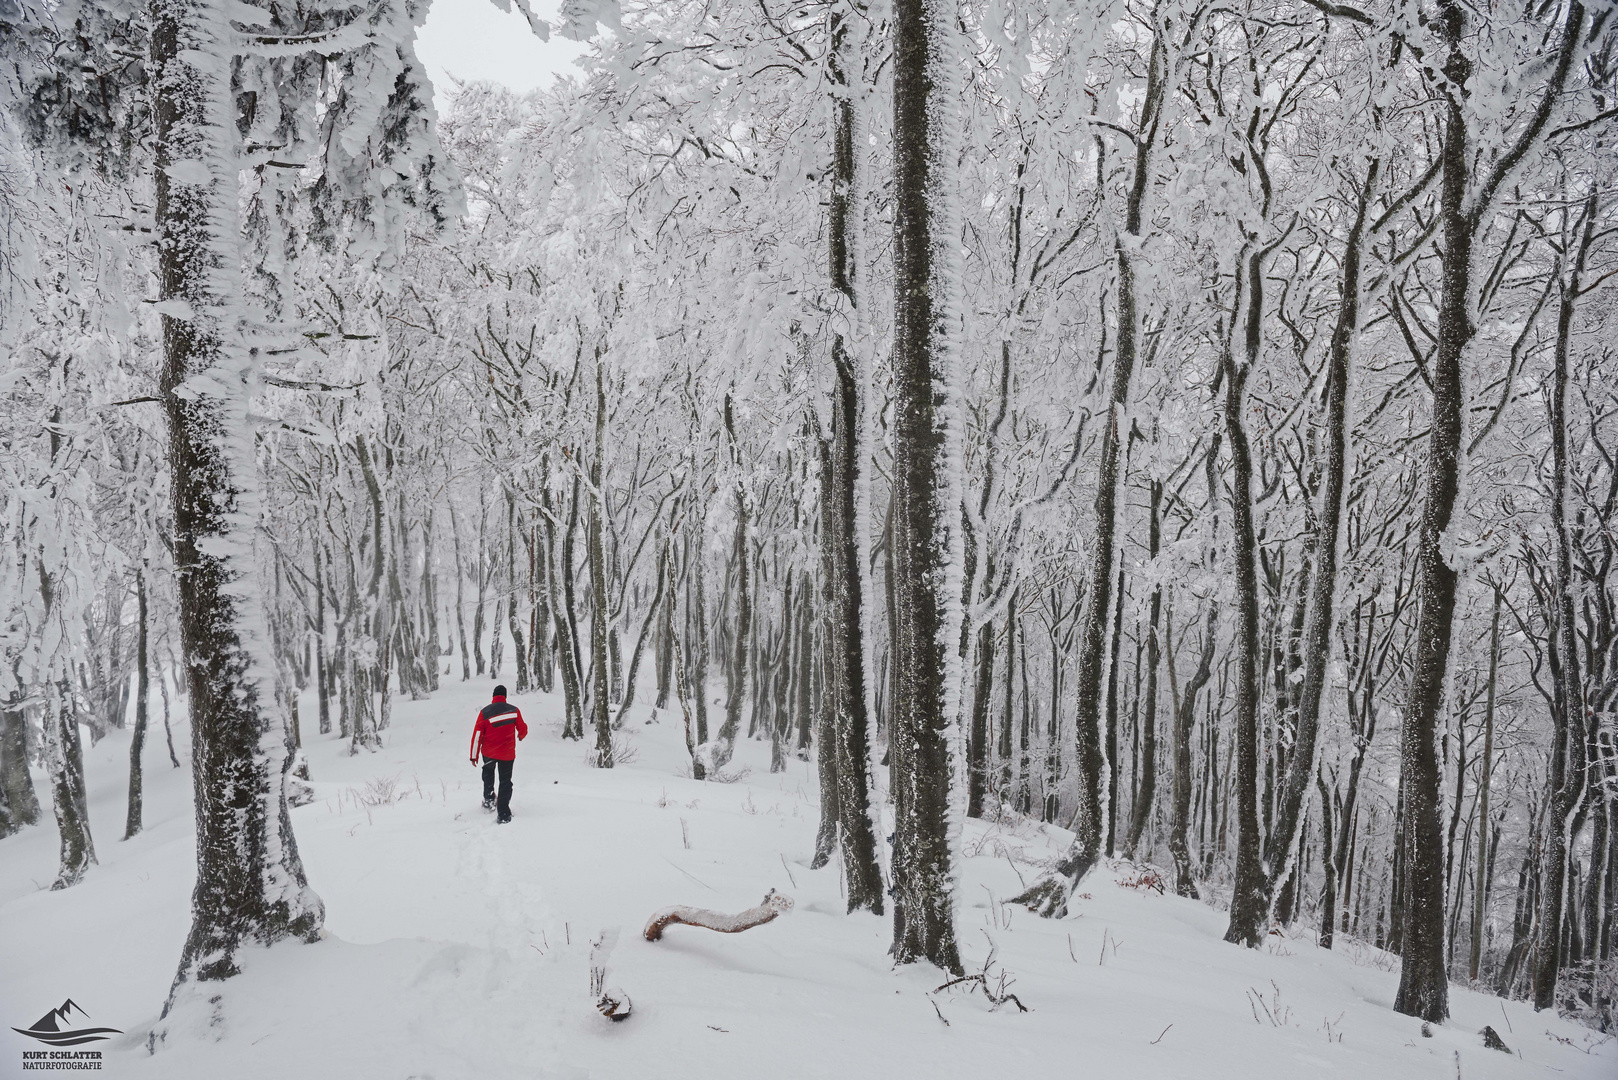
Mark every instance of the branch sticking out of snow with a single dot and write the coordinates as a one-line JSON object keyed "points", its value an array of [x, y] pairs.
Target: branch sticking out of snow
{"points": [[772, 906]]}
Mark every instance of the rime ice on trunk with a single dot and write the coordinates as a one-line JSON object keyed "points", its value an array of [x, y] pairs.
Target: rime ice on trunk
{"points": [[742, 630], [1423, 976], [599, 604], [926, 541], [1318, 621], [844, 739], [137, 741], [19, 805], [1048, 896], [1247, 904], [250, 882], [1569, 773], [78, 851]]}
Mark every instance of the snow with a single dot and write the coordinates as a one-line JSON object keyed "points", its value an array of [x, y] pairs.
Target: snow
{"points": [[458, 948]]}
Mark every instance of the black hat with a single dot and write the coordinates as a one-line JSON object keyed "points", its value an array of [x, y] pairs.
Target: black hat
{"points": [[499, 691]]}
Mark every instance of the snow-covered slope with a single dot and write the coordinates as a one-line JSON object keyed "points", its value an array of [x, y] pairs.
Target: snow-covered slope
{"points": [[458, 949]]}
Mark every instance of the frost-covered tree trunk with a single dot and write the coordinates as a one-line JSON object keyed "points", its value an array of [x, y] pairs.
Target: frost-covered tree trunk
{"points": [[1141, 812], [371, 669], [742, 628], [1567, 778], [1318, 621], [600, 605], [519, 646], [1185, 712], [1048, 896], [927, 482], [137, 739], [1248, 903], [656, 612], [78, 851], [843, 745], [19, 805], [1423, 977], [846, 690], [250, 881]]}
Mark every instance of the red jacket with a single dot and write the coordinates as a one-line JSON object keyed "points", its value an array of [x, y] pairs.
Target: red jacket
{"points": [[497, 722]]}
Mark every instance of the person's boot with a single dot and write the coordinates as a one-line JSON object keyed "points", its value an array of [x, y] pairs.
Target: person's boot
{"points": [[503, 819], [488, 803]]}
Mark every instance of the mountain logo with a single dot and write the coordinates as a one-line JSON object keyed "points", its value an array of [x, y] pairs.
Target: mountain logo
{"points": [[55, 1027]]}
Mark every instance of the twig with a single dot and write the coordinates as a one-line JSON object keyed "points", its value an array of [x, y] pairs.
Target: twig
{"points": [[688, 874], [1159, 1038], [939, 1011], [788, 869]]}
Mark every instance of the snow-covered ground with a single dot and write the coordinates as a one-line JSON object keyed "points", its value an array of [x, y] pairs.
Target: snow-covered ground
{"points": [[459, 949]]}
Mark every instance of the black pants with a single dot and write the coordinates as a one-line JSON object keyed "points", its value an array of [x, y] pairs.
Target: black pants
{"points": [[502, 805]]}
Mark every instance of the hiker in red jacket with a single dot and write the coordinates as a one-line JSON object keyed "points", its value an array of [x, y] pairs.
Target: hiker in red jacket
{"points": [[499, 727]]}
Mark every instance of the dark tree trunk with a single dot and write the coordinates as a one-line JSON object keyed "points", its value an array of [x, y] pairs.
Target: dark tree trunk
{"points": [[519, 647], [742, 628], [17, 797], [699, 689], [1147, 792], [1566, 778], [1049, 895], [600, 603], [1485, 777], [802, 679], [1318, 621], [977, 746], [250, 882], [655, 613], [664, 653], [1248, 904], [1112, 714], [1184, 720], [926, 499], [844, 649], [78, 851], [137, 739], [1423, 978], [567, 625], [1328, 888]]}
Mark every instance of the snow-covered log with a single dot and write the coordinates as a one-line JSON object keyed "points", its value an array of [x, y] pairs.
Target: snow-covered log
{"points": [[769, 909]]}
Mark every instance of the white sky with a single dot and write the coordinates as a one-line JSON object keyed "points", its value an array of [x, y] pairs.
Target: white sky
{"points": [[471, 40]]}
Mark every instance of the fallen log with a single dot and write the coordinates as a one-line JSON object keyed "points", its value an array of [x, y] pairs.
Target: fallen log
{"points": [[771, 907]]}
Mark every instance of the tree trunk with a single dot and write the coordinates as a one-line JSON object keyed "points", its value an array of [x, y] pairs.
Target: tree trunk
{"points": [[1048, 897], [600, 603], [1318, 621], [78, 851], [844, 650], [1566, 778], [250, 882], [1112, 710], [519, 647], [1142, 809], [17, 795], [1248, 904], [1423, 978], [654, 613], [977, 745], [1184, 720], [926, 480], [137, 739], [1485, 767]]}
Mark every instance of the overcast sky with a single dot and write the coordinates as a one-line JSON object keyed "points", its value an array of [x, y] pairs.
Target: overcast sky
{"points": [[472, 39]]}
